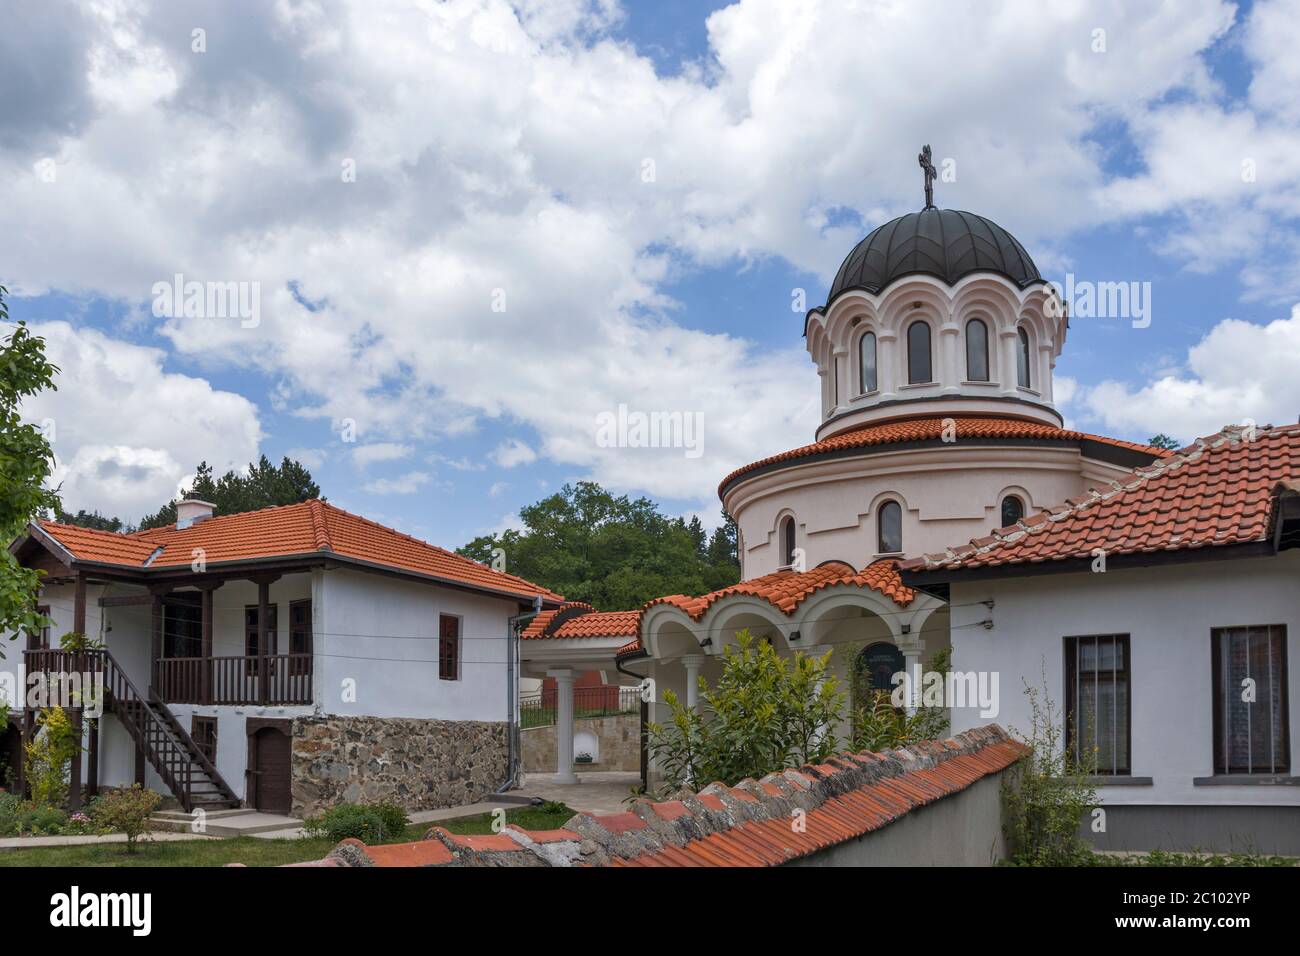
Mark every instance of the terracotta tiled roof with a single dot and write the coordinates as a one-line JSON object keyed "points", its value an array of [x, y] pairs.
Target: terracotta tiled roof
{"points": [[786, 590], [970, 428], [632, 647], [311, 527], [1217, 491], [746, 825]]}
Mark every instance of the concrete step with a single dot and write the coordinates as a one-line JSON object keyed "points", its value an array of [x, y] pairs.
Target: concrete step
{"points": [[242, 821]]}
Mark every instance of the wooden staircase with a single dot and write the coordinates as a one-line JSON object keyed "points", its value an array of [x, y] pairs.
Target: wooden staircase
{"points": [[158, 736]]}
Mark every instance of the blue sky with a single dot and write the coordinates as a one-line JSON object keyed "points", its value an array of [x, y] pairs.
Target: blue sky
{"points": [[498, 147]]}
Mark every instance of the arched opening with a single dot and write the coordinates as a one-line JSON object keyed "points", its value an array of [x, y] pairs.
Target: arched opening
{"points": [[918, 353], [1013, 509], [889, 528], [1022, 358], [787, 541], [867, 362], [977, 351]]}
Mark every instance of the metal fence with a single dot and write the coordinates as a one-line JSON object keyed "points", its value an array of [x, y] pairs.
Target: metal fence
{"points": [[538, 709]]}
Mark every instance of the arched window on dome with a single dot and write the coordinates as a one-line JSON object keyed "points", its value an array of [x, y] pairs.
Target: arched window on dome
{"points": [[1022, 358], [889, 528], [787, 541], [977, 351], [1013, 509], [918, 353], [867, 362]]}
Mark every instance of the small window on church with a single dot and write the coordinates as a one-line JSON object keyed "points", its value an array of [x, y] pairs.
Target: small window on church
{"points": [[977, 351], [1013, 509], [890, 528], [787, 542], [918, 353], [867, 361], [1022, 359]]}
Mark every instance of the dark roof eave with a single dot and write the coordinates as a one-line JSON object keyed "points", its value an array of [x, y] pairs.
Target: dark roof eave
{"points": [[921, 578]]}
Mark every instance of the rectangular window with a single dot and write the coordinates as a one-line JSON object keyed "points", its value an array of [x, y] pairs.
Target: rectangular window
{"points": [[1250, 704], [448, 647], [182, 628], [251, 650], [204, 732], [300, 637], [1097, 696]]}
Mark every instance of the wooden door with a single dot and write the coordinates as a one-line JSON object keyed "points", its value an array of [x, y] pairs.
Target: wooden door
{"points": [[268, 768]]}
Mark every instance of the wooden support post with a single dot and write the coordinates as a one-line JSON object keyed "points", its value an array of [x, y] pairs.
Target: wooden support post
{"points": [[156, 644], [206, 612], [79, 605], [21, 779], [74, 781], [139, 762], [92, 771], [263, 640]]}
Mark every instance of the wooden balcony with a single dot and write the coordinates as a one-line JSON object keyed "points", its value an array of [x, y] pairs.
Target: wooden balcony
{"points": [[236, 681]]}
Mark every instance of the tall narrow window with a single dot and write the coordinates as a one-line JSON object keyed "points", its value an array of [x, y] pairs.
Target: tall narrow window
{"points": [[918, 353], [300, 637], [1250, 704], [867, 361], [1022, 358], [448, 647], [787, 542], [1097, 701], [1013, 509], [889, 528], [977, 351], [835, 379], [251, 648]]}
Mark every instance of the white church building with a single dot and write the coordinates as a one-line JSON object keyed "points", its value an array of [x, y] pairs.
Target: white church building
{"points": [[943, 506]]}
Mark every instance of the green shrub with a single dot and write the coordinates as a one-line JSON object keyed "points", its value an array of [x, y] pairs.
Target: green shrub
{"points": [[367, 822], [126, 810], [49, 755], [765, 713], [11, 806], [42, 821]]}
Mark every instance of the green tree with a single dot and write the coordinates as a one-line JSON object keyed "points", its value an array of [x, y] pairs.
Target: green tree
{"points": [[1164, 441], [766, 713], [26, 461], [91, 519], [265, 486], [613, 552]]}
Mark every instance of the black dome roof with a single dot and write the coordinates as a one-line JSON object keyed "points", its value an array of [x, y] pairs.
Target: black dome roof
{"points": [[945, 243]]}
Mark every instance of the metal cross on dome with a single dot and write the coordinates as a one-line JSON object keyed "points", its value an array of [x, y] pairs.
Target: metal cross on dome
{"points": [[924, 159]]}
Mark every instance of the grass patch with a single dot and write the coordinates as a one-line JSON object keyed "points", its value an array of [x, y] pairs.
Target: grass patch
{"points": [[252, 851]]}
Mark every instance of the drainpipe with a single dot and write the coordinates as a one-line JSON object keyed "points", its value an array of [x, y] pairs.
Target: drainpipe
{"points": [[513, 627], [645, 719]]}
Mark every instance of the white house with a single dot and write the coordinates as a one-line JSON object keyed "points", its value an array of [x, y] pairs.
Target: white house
{"points": [[936, 349], [284, 659]]}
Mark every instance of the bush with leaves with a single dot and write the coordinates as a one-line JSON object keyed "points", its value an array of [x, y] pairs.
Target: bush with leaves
{"points": [[880, 725], [1048, 794], [126, 810], [765, 713], [367, 822], [49, 755]]}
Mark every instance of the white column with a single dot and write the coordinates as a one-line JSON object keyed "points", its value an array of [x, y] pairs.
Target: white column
{"points": [[563, 724], [949, 359], [1044, 383], [693, 663], [887, 370], [1010, 377], [912, 662], [840, 367]]}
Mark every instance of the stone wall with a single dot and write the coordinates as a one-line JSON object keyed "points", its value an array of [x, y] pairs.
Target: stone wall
{"points": [[417, 764], [620, 744]]}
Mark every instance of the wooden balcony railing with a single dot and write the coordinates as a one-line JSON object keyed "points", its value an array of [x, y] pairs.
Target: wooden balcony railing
{"points": [[236, 680]]}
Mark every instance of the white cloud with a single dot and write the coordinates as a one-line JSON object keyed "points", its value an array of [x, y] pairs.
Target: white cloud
{"points": [[309, 457], [496, 151], [497, 489], [1238, 371], [127, 433], [406, 484], [365, 455], [513, 452]]}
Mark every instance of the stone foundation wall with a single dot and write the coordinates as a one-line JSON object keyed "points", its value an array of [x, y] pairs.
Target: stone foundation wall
{"points": [[620, 744], [417, 764]]}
